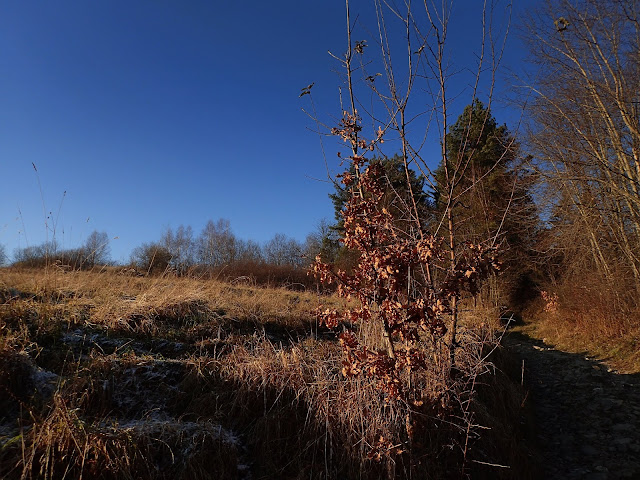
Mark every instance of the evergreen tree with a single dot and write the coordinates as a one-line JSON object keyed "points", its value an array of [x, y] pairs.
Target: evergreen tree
{"points": [[490, 196], [398, 195], [397, 200]]}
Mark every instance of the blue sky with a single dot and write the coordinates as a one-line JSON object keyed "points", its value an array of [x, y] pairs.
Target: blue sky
{"points": [[152, 114]]}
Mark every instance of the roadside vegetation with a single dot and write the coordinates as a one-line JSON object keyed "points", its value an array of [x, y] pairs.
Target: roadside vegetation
{"points": [[584, 137]]}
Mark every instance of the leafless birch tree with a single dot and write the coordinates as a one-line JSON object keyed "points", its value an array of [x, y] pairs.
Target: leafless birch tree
{"points": [[586, 133]]}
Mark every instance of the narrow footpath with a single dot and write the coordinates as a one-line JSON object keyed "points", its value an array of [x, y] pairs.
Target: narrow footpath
{"points": [[587, 416]]}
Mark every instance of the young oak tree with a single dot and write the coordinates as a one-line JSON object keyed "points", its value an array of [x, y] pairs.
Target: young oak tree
{"points": [[397, 197], [397, 194], [409, 278]]}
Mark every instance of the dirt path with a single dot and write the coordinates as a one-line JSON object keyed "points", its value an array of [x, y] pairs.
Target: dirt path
{"points": [[587, 416]]}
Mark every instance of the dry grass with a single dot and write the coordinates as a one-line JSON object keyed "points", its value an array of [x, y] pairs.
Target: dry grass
{"points": [[591, 320], [107, 375], [114, 296]]}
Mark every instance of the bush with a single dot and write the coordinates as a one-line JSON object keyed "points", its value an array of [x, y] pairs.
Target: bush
{"points": [[152, 258]]}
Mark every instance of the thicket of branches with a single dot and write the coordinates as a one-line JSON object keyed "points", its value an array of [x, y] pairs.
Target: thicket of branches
{"points": [[585, 136], [95, 251]]}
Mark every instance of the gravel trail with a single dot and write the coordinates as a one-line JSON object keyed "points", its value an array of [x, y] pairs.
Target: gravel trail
{"points": [[587, 416]]}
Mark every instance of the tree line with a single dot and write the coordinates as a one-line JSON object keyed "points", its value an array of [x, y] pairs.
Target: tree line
{"points": [[561, 198], [584, 134], [216, 249], [94, 251]]}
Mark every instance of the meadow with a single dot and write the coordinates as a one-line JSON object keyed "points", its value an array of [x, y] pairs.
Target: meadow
{"points": [[106, 374]]}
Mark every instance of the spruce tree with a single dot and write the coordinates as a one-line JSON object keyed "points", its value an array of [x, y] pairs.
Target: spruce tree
{"points": [[490, 194]]}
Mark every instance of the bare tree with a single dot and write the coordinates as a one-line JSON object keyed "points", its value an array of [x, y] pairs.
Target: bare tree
{"points": [[323, 241], [283, 250], [248, 251], [152, 258], [96, 249], [585, 130], [181, 245], [216, 245]]}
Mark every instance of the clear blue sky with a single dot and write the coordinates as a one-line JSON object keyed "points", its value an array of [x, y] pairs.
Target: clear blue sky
{"points": [[151, 114]]}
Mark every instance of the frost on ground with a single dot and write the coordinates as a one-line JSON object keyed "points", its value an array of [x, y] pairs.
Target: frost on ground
{"points": [[131, 395], [186, 440]]}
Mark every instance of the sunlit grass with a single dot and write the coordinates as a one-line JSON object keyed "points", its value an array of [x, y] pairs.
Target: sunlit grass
{"points": [[108, 375]]}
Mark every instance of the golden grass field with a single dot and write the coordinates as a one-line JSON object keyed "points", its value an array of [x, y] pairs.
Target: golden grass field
{"points": [[108, 375]]}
